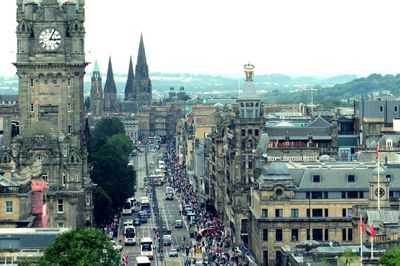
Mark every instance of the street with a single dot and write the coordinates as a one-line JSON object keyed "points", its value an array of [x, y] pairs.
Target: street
{"points": [[169, 212]]}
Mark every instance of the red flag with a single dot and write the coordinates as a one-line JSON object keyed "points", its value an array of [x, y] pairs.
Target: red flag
{"points": [[362, 226], [372, 229], [377, 151]]}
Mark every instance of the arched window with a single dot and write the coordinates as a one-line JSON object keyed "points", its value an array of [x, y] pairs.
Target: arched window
{"points": [[250, 144], [64, 179]]}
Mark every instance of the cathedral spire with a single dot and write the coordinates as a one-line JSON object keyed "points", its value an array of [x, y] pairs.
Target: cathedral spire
{"points": [[129, 87], [110, 83], [142, 69], [96, 67]]}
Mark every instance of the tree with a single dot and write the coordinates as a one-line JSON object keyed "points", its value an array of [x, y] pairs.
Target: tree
{"points": [[391, 257], [347, 257], [103, 211], [106, 127], [80, 247]]}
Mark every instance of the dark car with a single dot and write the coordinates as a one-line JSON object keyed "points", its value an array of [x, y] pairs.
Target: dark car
{"points": [[166, 231], [143, 219], [136, 221]]}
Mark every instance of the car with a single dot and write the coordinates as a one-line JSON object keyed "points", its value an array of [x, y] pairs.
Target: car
{"points": [[173, 252], [143, 219], [178, 224], [128, 222], [167, 240], [136, 221], [116, 246], [166, 231]]}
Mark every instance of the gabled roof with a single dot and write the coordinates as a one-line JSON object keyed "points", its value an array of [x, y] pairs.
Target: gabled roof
{"points": [[319, 122]]}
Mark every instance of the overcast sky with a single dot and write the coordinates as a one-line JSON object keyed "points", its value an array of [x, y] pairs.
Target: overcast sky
{"points": [[310, 37]]}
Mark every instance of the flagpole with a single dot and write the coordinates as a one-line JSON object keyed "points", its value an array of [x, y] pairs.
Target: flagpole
{"points": [[361, 236]]}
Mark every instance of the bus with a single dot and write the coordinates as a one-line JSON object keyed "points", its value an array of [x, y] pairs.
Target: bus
{"points": [[146, 247], [129, 233], [127, 209], [169, 193], [145, 204], [142, 261]]}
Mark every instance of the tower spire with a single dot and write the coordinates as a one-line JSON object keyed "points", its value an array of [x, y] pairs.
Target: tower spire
{"points": [[110, 83], [129, 87], [96, 67], [142, 69]]}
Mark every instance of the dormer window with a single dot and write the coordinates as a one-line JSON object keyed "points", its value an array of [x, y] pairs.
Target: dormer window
{"points": [[316, 179], [351, 178]]}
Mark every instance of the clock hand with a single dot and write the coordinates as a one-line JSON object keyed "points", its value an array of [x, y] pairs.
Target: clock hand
{"points": [[51, 37]]}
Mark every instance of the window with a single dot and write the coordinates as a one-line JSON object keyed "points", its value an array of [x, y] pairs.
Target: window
{"points": [[250, 132], [351, 178], [60, 225], [31, 107], [308, 212], [395, 108], [64, 179], [317, 234], [87, 216], [69, 82], [326, 234], [31, 82], [265, 235], [243, 132], [316, 178], [317, 212], [69, 129], [350, 212], [264, 213], [344, 234], [389, 178], [344, 211], [316, 195], [256, 132], [45, 177], [295, 235], [326, 212], [381, 108], [278, 235], [87, 199], [250, 164], [350, 234], [352, 194], [278, 213], [294, 213], [69, 107], [9, 207], [60, 205]]}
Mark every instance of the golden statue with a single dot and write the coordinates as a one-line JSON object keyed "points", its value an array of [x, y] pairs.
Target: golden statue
{"points": [[249, 71]]}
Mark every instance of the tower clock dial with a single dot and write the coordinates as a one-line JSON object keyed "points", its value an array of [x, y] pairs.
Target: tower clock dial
{"points": [[379, 192], [50, 39]]}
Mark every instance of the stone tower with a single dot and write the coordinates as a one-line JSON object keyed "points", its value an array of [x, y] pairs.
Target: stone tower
{"points": [[142, 83], [110, 91], [96, 93], [51, 67]]}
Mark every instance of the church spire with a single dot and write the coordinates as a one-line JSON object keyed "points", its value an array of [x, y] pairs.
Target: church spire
{"points": [[142, 69], [110, 83], [129, 87], [96, 67]]}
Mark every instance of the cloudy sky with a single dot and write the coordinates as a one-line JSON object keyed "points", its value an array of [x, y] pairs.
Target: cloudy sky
{"points": [[296, 37]]}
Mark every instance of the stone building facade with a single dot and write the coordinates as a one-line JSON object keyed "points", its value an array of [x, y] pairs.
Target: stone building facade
{"points": [[50, 68]]}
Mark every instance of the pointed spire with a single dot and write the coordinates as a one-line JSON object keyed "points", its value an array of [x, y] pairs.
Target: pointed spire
{"points": [[142, 70], [129, 87], [110, 83], [96, 67]]}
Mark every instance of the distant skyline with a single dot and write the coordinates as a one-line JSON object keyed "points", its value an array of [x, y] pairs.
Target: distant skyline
{"points": [[293, 37]]}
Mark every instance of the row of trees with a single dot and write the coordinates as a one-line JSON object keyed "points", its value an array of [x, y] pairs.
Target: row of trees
{"points": [[109, 153]]}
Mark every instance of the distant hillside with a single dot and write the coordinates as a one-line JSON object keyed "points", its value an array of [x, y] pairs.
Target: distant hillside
{"points": [[341, 94]]}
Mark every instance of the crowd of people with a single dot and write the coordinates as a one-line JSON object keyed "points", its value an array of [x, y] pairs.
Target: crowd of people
{"points": [[209, 243]]}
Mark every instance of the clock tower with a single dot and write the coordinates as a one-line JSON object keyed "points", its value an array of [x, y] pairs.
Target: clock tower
{"points": [[379, 191], [50, 68]]}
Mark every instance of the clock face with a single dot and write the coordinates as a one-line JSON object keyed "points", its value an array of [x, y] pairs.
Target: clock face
{"points": [[380, 192], [50, 39]]}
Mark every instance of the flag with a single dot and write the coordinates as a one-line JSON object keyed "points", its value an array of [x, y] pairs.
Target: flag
{"points": [[362, 226], [377, 152], [372, 229]]}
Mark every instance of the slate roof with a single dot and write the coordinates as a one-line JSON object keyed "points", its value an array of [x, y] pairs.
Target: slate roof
{"points": [[12, 239], [383, 216], [298, 133], [319, 122]]}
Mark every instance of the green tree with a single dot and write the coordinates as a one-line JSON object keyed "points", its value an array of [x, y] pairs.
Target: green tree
{"points": [[103, 211], [391, 257], [347, 257], [122, 143], [80, 247], [106, 127]]}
